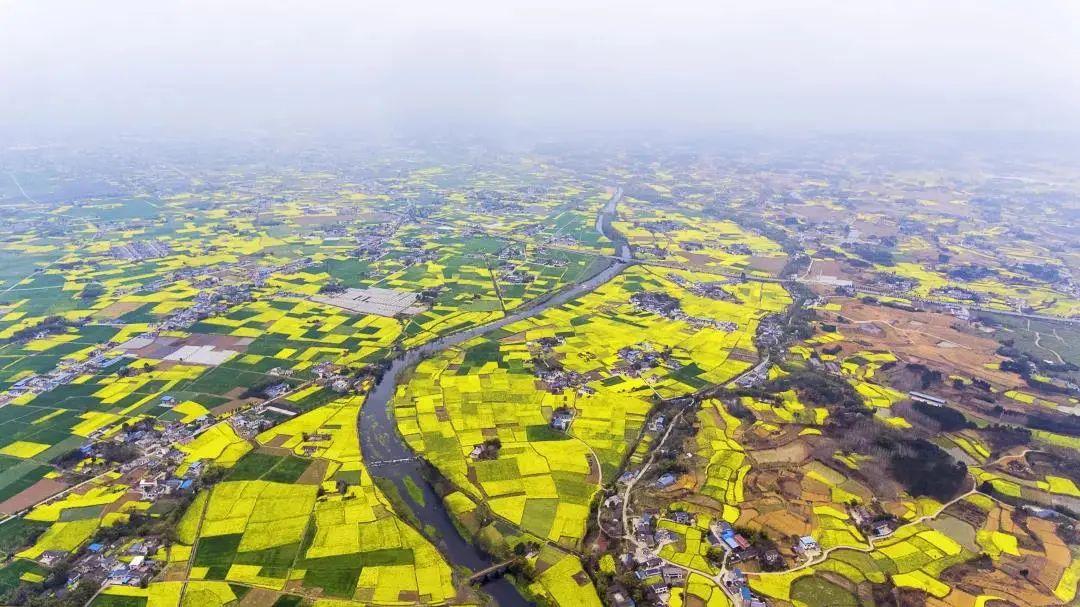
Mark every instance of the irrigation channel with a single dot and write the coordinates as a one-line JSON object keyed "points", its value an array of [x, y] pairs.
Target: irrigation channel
{"points": [[381, 442]]}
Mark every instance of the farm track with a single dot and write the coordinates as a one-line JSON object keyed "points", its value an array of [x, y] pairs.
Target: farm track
{"points": [[870, 546], [889, 324], [194, 549], [627, 534], [1038, 344]]}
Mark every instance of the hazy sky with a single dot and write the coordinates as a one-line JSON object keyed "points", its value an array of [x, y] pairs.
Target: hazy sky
{"points": [[146, 65]]}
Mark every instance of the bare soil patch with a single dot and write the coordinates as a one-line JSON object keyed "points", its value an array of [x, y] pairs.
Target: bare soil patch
{"points": [[772, 265], [793, 453], [315, 472], [233, 405], [257, 597], [117, 309], [33, 494], [915, 337], [275, 445]]}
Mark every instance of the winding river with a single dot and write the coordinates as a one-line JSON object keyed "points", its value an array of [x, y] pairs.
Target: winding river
{"points": [[381, 442]]}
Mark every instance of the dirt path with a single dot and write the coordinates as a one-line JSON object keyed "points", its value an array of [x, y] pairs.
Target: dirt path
{"points": [[1038, 337], [627, 534], [906, 330], [871, 542], [194, 548], [870, 546]]}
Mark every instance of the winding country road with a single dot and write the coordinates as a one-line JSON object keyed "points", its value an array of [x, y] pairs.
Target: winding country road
{"points": [[870, 546], [627, 533]]}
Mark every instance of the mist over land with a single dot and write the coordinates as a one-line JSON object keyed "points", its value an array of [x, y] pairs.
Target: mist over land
{"points": [[493, 68]]}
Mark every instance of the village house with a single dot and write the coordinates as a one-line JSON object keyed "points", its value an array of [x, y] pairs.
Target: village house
{"points": [[619, 597], [666, 480], [681, 517], [674, 576], [657, 424], [808, 547], [561, 420]]}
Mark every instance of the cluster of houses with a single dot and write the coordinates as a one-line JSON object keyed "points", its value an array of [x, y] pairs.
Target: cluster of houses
{"points": [[643, 357], [554, 377], [659, 226], [540, 256], [560, 240], [722, 534], [415, 253], [667, 306], [206, 304], [516, 276], [276, 390], [710, 289], [511, 252], [737, 248], [66, 371], [658, 576], [119, 564], [545, 257], [741, 550], [556, 380], [958, 293], [253, 420], [736, 585], [371, 239], [771, 331], [872, 522], [113, 565], [153, 474], [330, 375], [658, 303], [890, 284], [141, 250], [754, 376]]}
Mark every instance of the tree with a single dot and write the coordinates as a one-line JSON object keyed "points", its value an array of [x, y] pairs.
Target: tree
{"points": [[948, 418], [332, 286], [92, 290], [923, 468]]}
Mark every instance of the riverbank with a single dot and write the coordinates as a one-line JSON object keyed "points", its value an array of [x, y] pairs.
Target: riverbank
{"points": [[390, 459]]}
